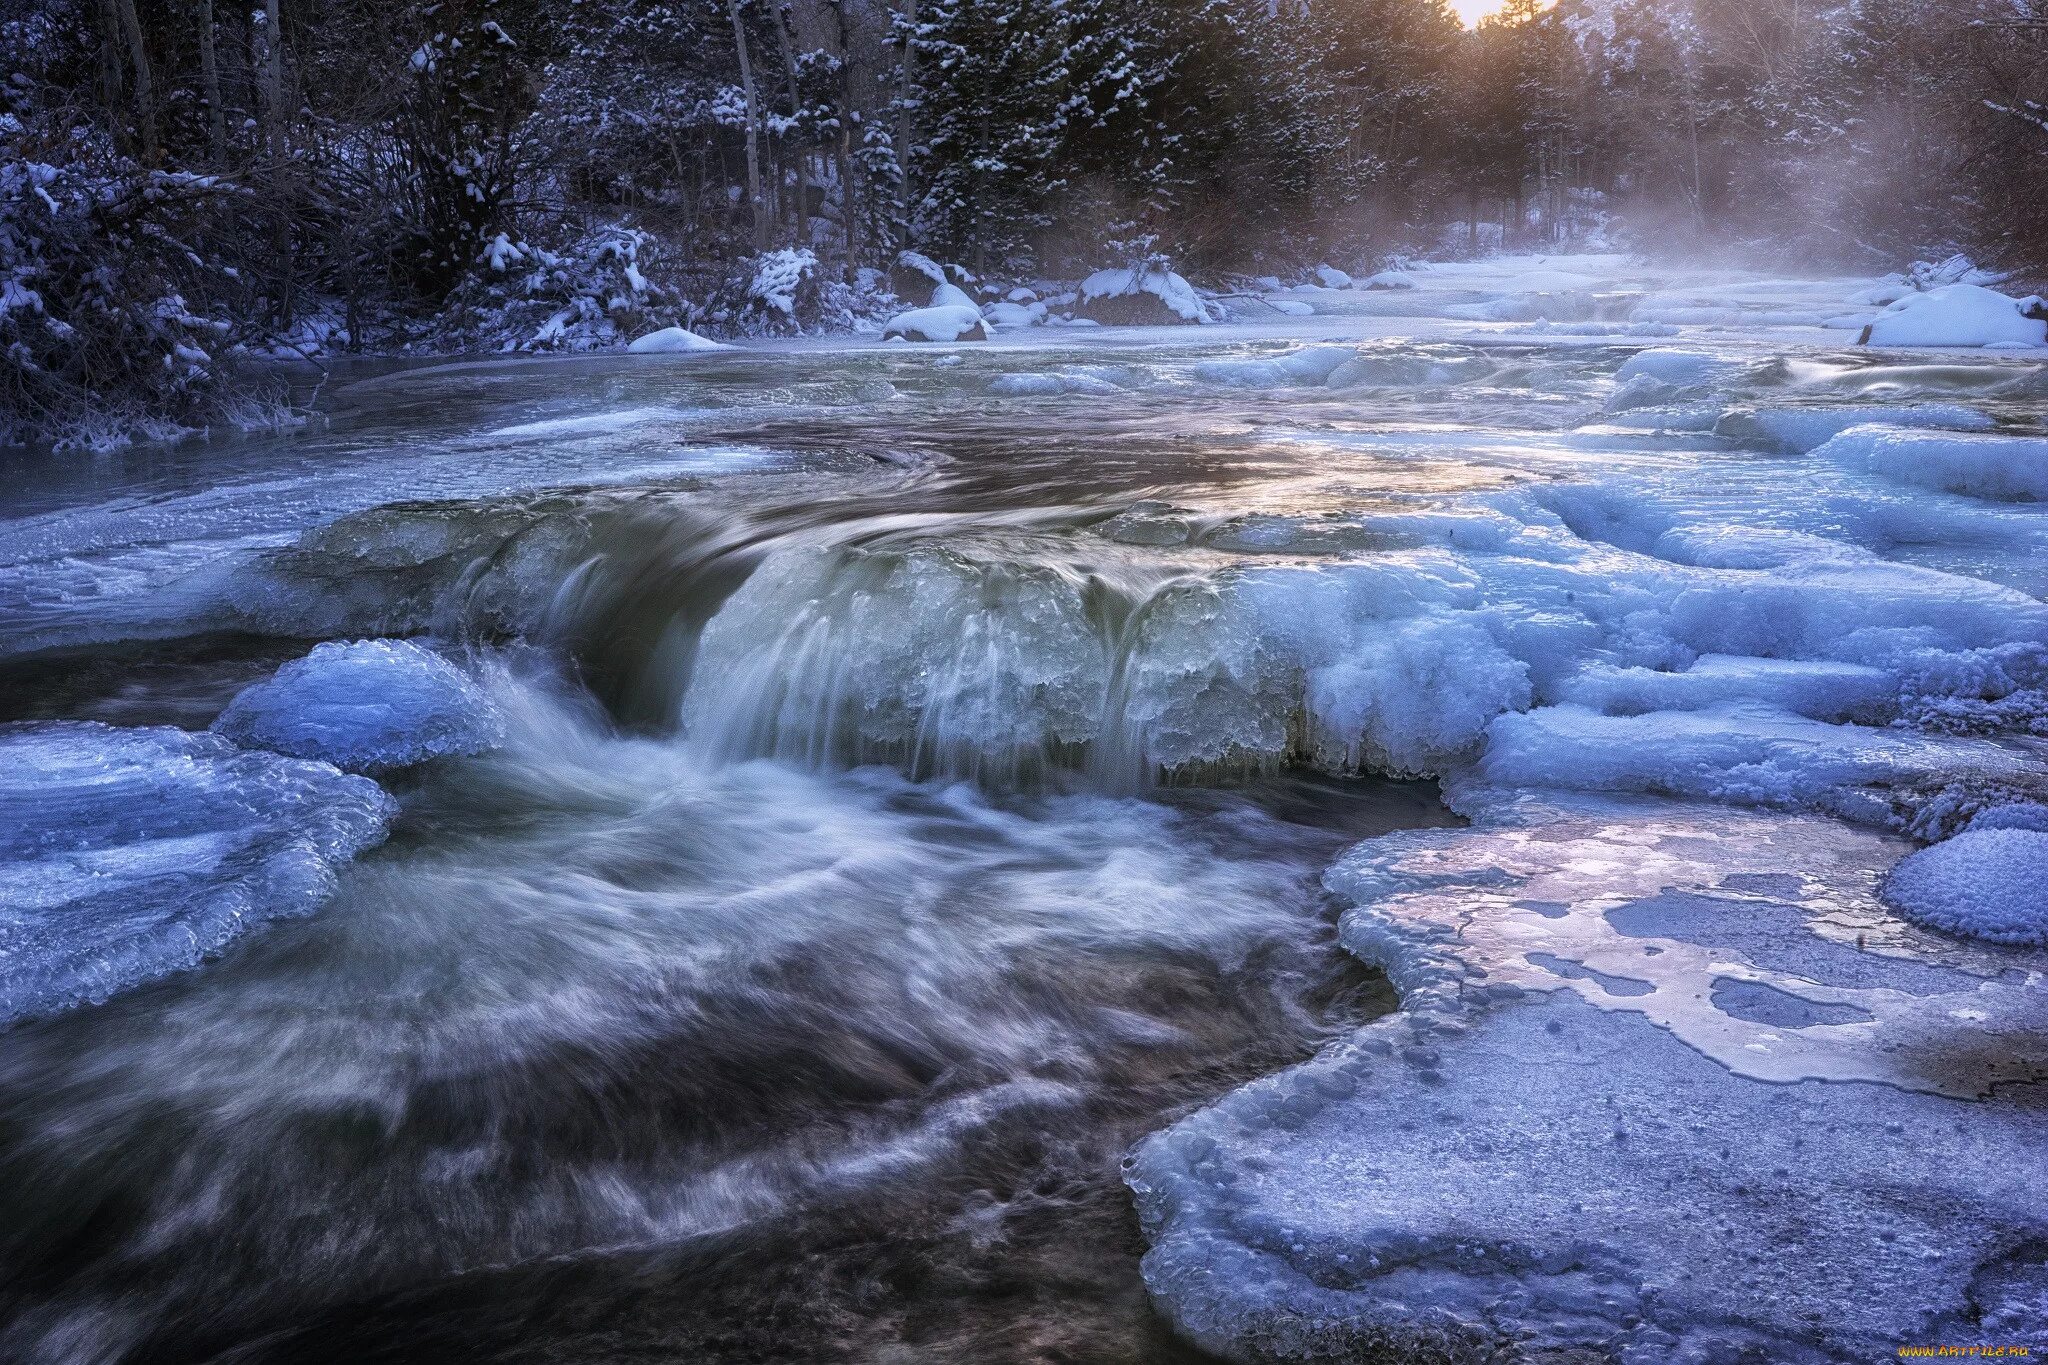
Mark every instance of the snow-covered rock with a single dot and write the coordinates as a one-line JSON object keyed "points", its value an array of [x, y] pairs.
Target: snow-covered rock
{"points": [[1332, 278], [2007, 467], [1156, 295], [126, 855], [672, 339], [915, 275], [367, 706], [1389, 279], [1293, 308], [1013, 314], [959, 322], [1989, 882], [1668, 1083], [950, 295], [1961, 315]]}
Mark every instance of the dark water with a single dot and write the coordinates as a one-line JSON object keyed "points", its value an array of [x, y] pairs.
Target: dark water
{"points": [[609, 1056]]}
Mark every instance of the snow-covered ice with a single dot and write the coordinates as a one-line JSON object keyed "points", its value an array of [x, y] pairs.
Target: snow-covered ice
{"points": [[1978, 466], [128, 854], [1668, 1084], [365, 706], [1989, 882]]}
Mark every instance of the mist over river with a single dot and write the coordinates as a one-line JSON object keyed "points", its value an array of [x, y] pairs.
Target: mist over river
{"points": [[849, 817]]}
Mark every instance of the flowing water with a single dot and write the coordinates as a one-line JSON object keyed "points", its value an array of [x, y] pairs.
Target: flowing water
{"points": [[915, 785]]}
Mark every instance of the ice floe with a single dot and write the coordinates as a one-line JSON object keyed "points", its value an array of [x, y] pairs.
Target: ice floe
{"points": [[1668, 1084], [128, 854]]}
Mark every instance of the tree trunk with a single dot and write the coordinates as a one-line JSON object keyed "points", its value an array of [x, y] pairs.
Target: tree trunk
{"points": [[803, 159], [209, 80], [145, 88], [849, 208], [906, 128], [759, 206], [111, 77], [273, 81]]}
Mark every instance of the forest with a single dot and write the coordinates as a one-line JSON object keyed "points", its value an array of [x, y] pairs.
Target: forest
{"points": [[190, 184]]}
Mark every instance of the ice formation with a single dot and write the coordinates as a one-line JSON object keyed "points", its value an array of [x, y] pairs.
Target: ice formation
{"points": [[1802, 429], [2010, 467], [367, 706], [129, 854], [1989, 882], [1666, 1085]]}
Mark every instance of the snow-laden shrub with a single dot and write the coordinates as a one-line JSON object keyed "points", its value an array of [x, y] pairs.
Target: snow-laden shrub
{"points": [[112, 314], [595, 294], [785, 286]]}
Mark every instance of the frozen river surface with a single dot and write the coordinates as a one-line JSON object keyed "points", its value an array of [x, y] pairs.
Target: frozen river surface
{"points": [[766, 855]]}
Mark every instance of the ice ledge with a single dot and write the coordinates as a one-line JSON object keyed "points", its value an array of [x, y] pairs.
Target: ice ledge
{"points": [[1668, 1084]]}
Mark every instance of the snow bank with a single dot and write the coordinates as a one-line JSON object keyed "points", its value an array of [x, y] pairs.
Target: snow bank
{"points": [[673, 339], [126, 855], [1989, 882], [955, 323], [1173, 298], [1660, 1089], [1961, 315], [1293, 308], [369, 705], [2010, 467]]}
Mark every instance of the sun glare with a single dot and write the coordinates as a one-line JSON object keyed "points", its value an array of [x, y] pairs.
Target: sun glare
{"points": [[1470, 12]]}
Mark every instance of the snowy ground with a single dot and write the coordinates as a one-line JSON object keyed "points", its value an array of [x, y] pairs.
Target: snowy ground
{"points": [[1703, 615]]}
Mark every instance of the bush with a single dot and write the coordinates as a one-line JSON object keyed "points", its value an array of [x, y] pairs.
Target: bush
{"points": [[113, 317]]}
